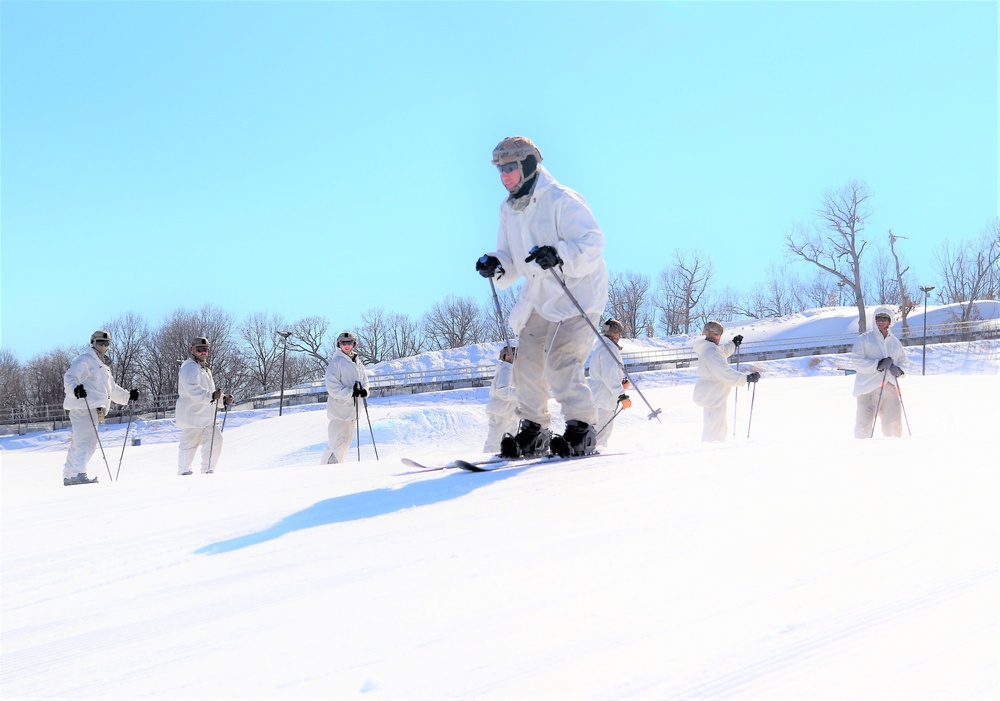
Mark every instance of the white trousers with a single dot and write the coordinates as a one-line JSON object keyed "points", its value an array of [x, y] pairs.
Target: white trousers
{"points": [[716, 426], [888, 411], [550, 357], [499, 425], [605, 426], [194, 438], [82, 442], [340, 433]]}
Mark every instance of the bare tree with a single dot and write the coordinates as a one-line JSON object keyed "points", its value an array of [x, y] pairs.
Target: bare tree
{"points": [[373, 335], [906, 303], [13, 393], [680, 289], [405, 337], [262, 348], [130, 336], [43, 375], [497, 328], [628, 301], [309, 338], [454, 323], [835, 244], [968, 271], [169, 346]]}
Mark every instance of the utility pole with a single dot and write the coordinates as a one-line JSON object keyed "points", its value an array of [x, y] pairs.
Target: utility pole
{"points": [[284, 349], [926, 289]]}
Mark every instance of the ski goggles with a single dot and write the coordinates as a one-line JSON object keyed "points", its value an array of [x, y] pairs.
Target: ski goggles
{"points": [[883, 317], [102, 343], [201, 349], [509, 167]]}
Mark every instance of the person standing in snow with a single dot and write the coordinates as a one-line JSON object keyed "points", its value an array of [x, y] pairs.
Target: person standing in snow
{"points": [[715, 378], [878, 357], [346, 384], [197, 410], [501, 408], [547, 229], [90, 389], [607, 382]]}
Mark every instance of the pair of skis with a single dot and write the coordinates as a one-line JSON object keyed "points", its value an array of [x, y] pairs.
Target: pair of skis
{"points": [[495, 463]]}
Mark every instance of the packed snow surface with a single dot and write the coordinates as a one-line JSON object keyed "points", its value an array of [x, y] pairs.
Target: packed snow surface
{"points": [[796, 563]]}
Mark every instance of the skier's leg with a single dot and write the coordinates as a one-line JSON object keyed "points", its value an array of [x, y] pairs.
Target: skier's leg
{"points": [[212, 447], [890, 415], [529, 372], [715, 425], [82, 442], [186, 448], [340, 432], [570, 344], [604, 420], [865, 416]]}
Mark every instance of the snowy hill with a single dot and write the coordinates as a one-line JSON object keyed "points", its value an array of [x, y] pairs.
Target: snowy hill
{"points": [[798, 563]]}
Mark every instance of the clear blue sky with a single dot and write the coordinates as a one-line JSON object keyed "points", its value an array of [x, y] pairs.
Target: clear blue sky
{"points": [[325, 158]]}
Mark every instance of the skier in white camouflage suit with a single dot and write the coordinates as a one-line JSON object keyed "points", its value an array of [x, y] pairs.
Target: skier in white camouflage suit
{"points": [[501, 408], [546, 228], [197, 410], [346, 385], [715, 379], [878, 355], [88, 382], [607, 380]]}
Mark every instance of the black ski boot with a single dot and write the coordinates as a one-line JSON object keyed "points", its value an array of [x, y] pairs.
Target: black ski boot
{"points": [[579, 439], [531, 441], [81, 478]]}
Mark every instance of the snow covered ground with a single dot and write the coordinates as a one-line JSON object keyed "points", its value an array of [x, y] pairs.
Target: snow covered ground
{"points": [[798, 563]]}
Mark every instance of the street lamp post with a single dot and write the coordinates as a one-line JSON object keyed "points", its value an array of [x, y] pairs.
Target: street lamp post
{"points": [[840, 284], [284, 349], [926, 289]]}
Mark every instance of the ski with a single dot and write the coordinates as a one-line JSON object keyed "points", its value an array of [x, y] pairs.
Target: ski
{"points": [[495, 462], [70, 481], [421, 467], [500, 463]]}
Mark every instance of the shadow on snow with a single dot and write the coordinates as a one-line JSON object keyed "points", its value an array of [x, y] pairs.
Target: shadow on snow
{"points": [[354, 507]]}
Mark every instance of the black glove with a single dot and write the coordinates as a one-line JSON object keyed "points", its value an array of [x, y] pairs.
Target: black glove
{"points": [[133, 394], [895, 370], [359, 391], [216, 395], [227, 400], [488, 265], [545, 256], [884, 364], [79, 392], [737, 340], [753, 377]]}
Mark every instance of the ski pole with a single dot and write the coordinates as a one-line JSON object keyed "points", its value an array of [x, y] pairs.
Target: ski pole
{"points": [[225, 415], [98, 434], [753, 395], [879, 402], [736, 397], [211, 443], [365, 400], [618, 410], [357, 425], [901, 406], [503, 324], [654, 413], [127, 427]]}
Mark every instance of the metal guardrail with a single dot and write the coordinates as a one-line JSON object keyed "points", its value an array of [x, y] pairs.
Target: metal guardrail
{"points": [[440, 379]]}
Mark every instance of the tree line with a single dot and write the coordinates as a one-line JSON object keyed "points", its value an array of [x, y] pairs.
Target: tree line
{"points": [[249, 355]]}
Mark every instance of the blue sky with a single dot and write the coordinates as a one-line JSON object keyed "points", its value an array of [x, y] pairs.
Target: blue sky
{"points": [[325, 158]]}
